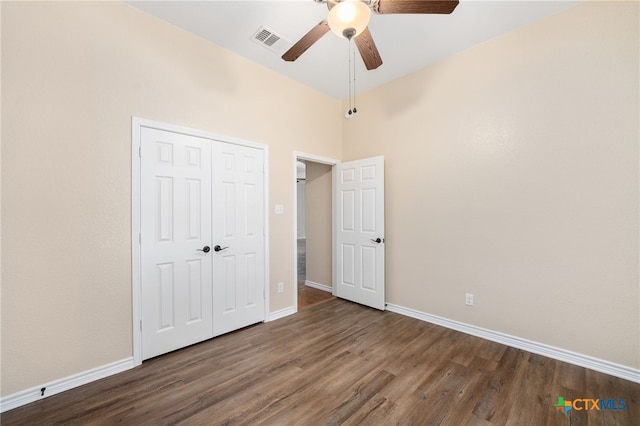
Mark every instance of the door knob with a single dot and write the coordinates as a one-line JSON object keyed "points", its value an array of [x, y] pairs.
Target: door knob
{"points": [[205, 249], [218, 248], [377, 240]]}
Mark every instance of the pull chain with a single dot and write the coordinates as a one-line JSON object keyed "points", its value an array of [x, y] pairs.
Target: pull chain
{"points": [[352, 82], [350, 112]]}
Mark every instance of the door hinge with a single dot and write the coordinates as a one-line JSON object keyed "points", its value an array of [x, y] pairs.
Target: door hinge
{"points": [[140, 151], [140, 325], [140, 237]]}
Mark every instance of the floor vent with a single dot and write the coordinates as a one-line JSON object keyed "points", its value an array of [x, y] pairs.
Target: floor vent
{"points": [[268, 39]]}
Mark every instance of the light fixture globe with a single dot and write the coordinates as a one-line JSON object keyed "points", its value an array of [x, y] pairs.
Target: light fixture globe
{"points": [[349, 18]]}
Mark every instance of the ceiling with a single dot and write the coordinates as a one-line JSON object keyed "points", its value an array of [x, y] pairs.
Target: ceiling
{"points": [[406, 43]]}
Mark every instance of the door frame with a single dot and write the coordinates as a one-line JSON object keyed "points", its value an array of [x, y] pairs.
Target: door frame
{"points": [[136, 256], [301, 156]]}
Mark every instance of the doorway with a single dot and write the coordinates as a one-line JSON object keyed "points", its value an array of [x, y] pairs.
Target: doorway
{"points": [[313, 242], [357, 241]]}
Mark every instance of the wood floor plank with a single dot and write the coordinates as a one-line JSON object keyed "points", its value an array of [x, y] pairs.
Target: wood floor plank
{"points": [[325, 388], [307, 388], [495, 402], [534, 401], [336, 362], [308, 296], [357, 396], [377, 411], [604, 387], [414, 367], [475, 381]]}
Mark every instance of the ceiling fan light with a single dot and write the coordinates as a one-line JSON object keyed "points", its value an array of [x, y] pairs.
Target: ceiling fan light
{"points": [[349, 18]]}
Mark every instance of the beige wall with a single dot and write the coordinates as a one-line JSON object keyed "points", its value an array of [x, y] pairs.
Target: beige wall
{"points": [[512, 174], [73, 76], [318, 219]]}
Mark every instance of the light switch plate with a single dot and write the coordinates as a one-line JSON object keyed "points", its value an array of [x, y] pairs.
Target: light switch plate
{"points": [[278, 209]]}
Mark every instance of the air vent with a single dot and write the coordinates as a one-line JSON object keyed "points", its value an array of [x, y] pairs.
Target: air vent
{"points": [[268, 39]]}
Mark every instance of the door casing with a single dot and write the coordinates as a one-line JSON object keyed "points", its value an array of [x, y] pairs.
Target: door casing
{"points": [[136, 125]]}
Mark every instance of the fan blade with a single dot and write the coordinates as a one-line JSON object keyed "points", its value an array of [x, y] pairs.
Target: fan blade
{"points": [[416, 6], [368, 50], [306, 41]]}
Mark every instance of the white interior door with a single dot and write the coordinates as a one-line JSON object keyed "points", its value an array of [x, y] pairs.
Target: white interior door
{"points": [[359, 228], [238, 237], [176, 276]]}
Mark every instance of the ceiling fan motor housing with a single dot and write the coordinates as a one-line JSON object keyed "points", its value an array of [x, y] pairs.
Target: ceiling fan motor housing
{"points": [[348, 33]]}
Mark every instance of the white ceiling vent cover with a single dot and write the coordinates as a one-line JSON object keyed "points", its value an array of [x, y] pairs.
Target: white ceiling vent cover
{"points": [[268, 39]]}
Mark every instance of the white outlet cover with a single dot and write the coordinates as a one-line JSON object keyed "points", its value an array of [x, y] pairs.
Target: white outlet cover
{"points": [[469, 299], [278, 209]]}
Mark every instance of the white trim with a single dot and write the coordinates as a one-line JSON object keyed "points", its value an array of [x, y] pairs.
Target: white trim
{"points": [[581, 360], [301, 156], [318, 286], [142, 122], [282, 313], [136, 261], [315, 158], [267, 283], [334, 235], [136, 125], [33, 394]]}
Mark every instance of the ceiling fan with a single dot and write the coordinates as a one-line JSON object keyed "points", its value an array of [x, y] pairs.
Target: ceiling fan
{"points": [[349, 19]]}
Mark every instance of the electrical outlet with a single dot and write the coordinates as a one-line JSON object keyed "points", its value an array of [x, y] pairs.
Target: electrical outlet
{"points": [[468, 299], [278, 209], [280, 287]]}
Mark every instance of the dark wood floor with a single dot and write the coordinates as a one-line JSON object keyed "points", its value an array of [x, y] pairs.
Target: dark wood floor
{"points": [[308, 296], [340, 363]]}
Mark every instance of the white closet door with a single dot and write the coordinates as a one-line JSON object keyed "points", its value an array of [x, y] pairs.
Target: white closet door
{"points": [[238, 237], [176, 270]]}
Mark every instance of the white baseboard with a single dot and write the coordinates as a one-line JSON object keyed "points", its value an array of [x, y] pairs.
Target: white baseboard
{"points": [[282, 313], [24, 397], [318, 286], [581, 360]]}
